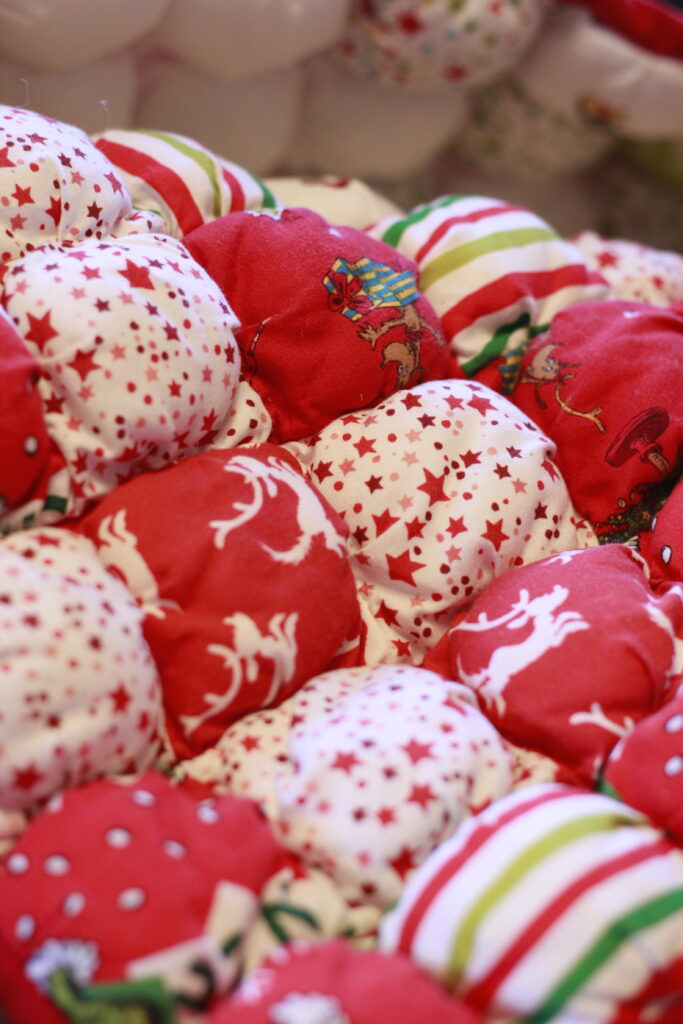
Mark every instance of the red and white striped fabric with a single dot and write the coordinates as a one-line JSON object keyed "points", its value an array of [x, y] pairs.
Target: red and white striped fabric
{"points": [[493, 272], [554, 905], [181, 179], [442, 487]]}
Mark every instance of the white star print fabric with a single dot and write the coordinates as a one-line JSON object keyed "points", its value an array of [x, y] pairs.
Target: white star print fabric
{"points": [[443, 487]]}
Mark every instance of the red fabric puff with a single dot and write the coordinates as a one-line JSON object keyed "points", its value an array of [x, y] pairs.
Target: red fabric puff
{"points": [[567, 653], [662, 545], [332, 320], [242, 570], [332, 983], [604, 384], [646, 768], [26, 456], [129, 893]]}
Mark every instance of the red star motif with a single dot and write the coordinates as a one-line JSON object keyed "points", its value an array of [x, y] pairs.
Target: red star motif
{"points": [[26, 778], [383, 522], [84, 363], [251, 743], [374, 484], [54, 210], [171, 332], [17, 222], [414, 528], [40, 329], [345, 762], [402, 567], [323, 470], [607, 259], [364, 446], [94, 211], [501, 471], [421, 795], [481, 404], [114, 182], [411, 401], [4, 158], [360, 535], [433, 487], [514, 453], [418, 751], [90, 273], [137, 276], [550, 469], [386, 816], [120, 697], [387, 614], [494, 533], [470, 458], [456, 526], [403, 863], [23, 196], [402, 648], [541, 511]]}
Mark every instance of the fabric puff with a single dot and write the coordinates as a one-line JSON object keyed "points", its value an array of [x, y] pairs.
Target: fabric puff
{"points": [[81, 694], [590, 622], [139, 364], [339, 200], [583, 68], [331, 320], [495, 274], [634, 272], [178, 177], [644, 768], [553, 905], [427, 46], [604, 379], [128, 899], [242, 571], [333, 983], [442, 488], [662, 545], [376, 780], [27, 459], [55, 186]]}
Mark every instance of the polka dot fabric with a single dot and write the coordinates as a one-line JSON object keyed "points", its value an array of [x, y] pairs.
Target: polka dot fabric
{"points": [[55, 187], [442, 488], [81, 695], [138, 359]]}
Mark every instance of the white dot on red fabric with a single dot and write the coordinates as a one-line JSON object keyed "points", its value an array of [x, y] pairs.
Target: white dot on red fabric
{"points": [[131, 899], [144, 798], [674, 724], [674, 766], [207, 814], [118, 837], [174, 849], [25, 927], [73, 904], [18, 864], [56, 865]]}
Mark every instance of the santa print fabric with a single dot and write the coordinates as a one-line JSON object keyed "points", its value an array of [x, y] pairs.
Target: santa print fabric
{"points": [[604, 383], [55, 186], [566, 654], [242, 571], [331, 319], [138, 360], [442, 487], [128, 895], [80, 690], [332, 983], [554, 905]]}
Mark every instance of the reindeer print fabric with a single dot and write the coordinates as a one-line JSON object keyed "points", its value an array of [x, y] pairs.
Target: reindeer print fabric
{"points": [[341, 601], [331, 321], [253, 516]]}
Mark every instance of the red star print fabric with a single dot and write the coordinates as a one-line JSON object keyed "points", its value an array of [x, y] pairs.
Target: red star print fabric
{"points": [[27, 458], [129, 892], [56, 187], [137, 356], [442, 488], [333, 983], [565, 655], [555, 904], [225, 641], [81, 693], [604, 379], [635, 272], [331, 320]]}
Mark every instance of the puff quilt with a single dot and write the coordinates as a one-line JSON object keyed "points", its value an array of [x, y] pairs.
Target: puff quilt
{"points": [[341, 601]]}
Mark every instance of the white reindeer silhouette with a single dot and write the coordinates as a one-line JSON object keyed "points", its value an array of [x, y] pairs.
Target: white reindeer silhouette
{"points": [[118, 549], [307, 1008], [548, 631], [264, 480], [277, 644]]}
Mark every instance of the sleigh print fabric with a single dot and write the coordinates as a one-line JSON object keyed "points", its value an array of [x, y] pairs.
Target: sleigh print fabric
{"points": [[341, 606]]}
